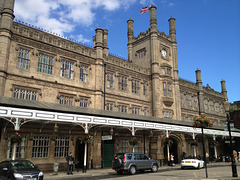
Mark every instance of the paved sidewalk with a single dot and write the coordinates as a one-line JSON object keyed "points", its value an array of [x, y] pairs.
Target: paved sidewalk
{"points": [[109, 171]]}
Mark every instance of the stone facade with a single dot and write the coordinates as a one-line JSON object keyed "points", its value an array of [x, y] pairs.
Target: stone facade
{"points": [[37, 65]]}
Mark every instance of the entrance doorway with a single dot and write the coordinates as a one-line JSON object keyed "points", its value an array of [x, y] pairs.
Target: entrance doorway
{"points": [[108, 153], [80, 151], [172, 150]]}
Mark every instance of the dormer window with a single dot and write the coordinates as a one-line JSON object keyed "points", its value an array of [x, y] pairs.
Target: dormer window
{"points": [[141, 53]]}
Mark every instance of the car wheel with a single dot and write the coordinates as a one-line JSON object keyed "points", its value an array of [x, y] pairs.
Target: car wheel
{"points": [[119, 172], [154, 168], [132, 170], [198, 166], [182, 167]]}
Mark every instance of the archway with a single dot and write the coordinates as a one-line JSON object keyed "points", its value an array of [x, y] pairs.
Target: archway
{"points": [[173, 149]]}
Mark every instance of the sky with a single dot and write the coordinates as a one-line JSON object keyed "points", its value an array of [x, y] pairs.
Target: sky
{"points": [[208, 31]]}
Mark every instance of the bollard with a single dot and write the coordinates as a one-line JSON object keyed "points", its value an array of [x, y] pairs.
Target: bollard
{"points": [[55, 168]]}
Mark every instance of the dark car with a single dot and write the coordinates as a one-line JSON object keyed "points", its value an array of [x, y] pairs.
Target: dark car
{"points": [[133, 162], [19, 169]]}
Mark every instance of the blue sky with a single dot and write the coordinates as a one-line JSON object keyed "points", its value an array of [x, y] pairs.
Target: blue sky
{"points": [[208, 31]]}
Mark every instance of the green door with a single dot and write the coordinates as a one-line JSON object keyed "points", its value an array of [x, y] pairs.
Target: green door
{"points": [[108, 154]]}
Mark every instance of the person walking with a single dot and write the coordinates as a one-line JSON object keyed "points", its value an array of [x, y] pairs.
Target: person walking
{"points": [[70, 161], [172, 159]]}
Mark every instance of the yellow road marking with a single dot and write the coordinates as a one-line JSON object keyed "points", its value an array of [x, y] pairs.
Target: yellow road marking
{"points": [[195, 175]]}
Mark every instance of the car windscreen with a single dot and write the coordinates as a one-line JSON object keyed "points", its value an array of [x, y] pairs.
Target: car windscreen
{"points": [[22, 165]]}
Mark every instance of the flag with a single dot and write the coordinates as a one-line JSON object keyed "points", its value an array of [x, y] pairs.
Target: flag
{"points": [[144, 9]]}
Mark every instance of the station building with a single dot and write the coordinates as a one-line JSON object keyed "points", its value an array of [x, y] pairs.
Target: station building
{"points": [[55, 90]]}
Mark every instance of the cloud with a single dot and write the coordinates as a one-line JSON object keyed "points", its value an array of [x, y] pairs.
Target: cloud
{"points": [[64, 16]]}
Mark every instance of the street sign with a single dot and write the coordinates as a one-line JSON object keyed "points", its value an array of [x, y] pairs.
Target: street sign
{"points": [[105, 138]]}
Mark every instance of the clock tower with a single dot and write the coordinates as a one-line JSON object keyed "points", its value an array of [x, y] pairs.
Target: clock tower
{"points": [[158, 52]]}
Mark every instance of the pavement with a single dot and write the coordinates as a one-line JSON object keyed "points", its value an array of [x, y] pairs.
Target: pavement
{"points": [[108, 171]]}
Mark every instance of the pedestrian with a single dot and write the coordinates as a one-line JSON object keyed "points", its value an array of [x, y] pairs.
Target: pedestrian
{"points": [[70, 161], [172, 159]]}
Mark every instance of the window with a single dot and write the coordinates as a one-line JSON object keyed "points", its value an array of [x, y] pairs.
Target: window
{"points": [[40, 147], [167, 89], [144, 89], [83, 102], [166, 71], [167, 114], [27, 94], [21, 148], [109, 80], [122, 108], [109, 107], [45, 64], [65, 99], [164, 89], [122, 83], [135, 110], [145, 112], [83, 73], [61, 147], [211, 107], [123, 146], [67, 69], [135, 86], [23, 58], [141, 53]]}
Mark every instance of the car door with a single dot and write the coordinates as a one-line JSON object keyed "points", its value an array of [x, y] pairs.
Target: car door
{"points": [[4, 166], [145, 162]]}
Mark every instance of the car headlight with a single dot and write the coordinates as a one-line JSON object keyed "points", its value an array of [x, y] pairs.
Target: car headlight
{"points": [[40, 174], [17, 175]]}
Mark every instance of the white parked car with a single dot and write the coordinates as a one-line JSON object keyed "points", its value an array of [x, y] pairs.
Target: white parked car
{"points": [[192, 163]]}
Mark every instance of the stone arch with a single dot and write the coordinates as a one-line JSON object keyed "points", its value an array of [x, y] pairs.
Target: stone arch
{"points": [[176, 148]]}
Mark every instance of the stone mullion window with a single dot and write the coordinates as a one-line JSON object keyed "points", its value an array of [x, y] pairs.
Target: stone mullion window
{"points": [[144, 89], [40, 147], [135, 110], [122, 83], [122, 108], [67, 69], [167, 114], [83, 102], [167, 89], [45, 64], [27, 94], [23, 58], [61, 147], [109, 80], [109, 107], [83, 73], [66, 99], [164, 89], [123, 145], [135, 86]]}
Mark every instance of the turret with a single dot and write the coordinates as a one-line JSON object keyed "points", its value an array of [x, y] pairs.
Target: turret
{"points": [[224, 90], [153, 18], [130, 38], [6, 25], [172, 29], [105, 44]]}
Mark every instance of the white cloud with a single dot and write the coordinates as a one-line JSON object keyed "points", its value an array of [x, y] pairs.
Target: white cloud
{"points": [[63, 16]]}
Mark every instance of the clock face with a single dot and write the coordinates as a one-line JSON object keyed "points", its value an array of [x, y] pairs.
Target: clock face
{"points": [[164, 53]]}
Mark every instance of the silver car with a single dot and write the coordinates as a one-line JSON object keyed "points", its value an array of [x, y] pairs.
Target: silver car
{"points": [[133, 162]]}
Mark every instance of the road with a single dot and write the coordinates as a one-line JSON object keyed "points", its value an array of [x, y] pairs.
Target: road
{"points": [[175, 174]]}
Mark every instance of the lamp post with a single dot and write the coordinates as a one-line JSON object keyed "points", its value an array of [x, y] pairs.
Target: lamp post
{"points": [[234, 167]]}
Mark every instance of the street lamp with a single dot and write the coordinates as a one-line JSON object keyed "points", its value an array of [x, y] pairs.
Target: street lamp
{"points": [[226, 105]]}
